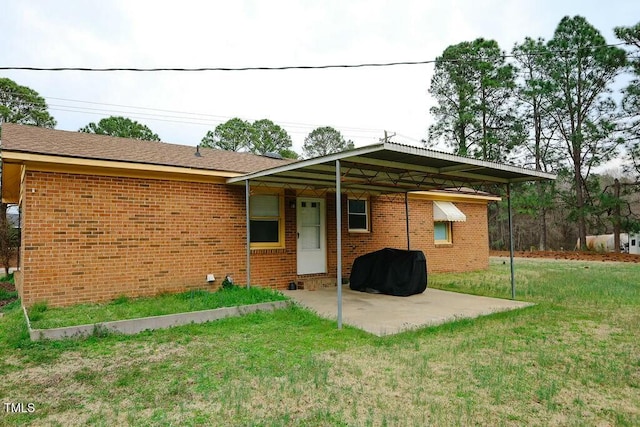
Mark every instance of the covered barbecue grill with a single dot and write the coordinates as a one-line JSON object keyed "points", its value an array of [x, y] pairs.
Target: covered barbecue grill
{"points": [[390, 271]]}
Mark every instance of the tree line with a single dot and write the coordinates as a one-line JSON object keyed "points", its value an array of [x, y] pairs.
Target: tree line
{"points": [[550, 105]]}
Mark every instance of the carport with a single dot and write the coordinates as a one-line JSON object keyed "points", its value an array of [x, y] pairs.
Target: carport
{"points": [[386, 168]]}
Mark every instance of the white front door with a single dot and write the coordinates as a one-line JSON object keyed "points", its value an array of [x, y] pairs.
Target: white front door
{"points": [[312, 236]]}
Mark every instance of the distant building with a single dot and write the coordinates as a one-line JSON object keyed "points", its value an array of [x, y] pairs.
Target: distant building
{"points": [[634, 244]]}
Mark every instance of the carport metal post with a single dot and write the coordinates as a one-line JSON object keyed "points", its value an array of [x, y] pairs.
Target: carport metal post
{"points": [[513, 281], [246, 205], [339, 242], [406, 217]]}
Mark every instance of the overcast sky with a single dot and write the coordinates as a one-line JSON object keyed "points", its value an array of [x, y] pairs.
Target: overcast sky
{"points": [[361, 103]]}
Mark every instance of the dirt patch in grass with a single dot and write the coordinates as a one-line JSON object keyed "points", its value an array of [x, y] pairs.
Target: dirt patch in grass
{"points": [[7, 286], [71, 364], [70, 383]]}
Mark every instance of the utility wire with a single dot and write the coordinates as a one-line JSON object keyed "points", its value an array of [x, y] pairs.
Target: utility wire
{"points": [[136, 108], [206, 116], [287, 67], [178, 116], [211, 123]]}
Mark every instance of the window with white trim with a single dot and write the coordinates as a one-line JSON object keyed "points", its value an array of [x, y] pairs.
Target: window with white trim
{"points": [[266, 221], [358, 215]]}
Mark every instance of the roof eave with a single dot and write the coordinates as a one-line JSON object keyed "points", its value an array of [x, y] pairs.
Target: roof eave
{"points": [[31, 158]]}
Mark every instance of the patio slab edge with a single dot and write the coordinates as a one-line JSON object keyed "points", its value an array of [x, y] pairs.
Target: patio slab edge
{"points": [[134, 326]]}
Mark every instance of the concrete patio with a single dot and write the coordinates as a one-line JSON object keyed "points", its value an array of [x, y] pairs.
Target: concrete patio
{"points": [[387, 315]]}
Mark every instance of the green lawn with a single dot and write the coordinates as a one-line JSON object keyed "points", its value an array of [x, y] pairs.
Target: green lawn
{"points": [[8, 295], [122, 308], [573, 359]]}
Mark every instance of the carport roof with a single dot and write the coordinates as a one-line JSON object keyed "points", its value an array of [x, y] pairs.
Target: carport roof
{"points": [[389, 168]]}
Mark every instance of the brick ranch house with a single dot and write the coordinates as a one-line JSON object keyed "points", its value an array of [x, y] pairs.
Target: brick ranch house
{"points": [[103, 217]]}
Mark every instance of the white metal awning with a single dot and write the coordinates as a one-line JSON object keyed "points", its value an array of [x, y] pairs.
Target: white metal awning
{"points": [[447, 211]]}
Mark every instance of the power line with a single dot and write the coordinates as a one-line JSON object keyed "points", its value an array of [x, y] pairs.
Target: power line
{"points": [[136, 107], [287, 67], [292, 128], [210, 123], [205, 115], [71, 109], [282, 68], [203, 119]]}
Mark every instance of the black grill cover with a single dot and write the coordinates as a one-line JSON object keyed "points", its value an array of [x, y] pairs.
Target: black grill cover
{"points": [[390, 271]]}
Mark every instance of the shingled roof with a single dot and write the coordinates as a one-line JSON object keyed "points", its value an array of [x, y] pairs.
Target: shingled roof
{"points": [[35, 140]]}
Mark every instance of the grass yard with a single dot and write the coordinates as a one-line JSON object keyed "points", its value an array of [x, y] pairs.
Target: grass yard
{"points": [[122, 308], [8, 294], [573, 359]]}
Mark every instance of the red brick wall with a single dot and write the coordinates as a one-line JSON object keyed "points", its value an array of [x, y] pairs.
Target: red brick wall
{"points": [[469, 250], [93, 238]]}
